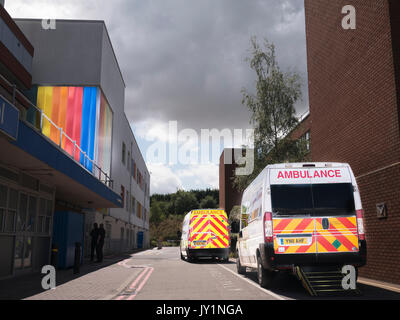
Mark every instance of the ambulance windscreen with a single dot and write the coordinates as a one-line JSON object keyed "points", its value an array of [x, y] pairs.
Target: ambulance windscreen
{"points": [[312, 199]]}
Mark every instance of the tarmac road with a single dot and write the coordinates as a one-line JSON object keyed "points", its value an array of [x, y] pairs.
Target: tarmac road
{"points": [[164, 276]]}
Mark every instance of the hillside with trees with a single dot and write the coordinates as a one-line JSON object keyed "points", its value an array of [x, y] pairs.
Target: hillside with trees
{"points": [[168, 210]]}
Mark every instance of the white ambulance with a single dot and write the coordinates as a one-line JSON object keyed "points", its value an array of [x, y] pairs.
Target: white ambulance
{"points": [[301, 214]]}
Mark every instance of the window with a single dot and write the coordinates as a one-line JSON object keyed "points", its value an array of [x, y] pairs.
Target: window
{"points": [[10, 219], [3, 205], [134, 170], [123, 152], [108, 230], [312, 199], [32, 213], [133, 205], [41, 216], [127, 200], [22, 212], [139, 210], [307, 138], [128, 162], [49, 214], [123, 196]]}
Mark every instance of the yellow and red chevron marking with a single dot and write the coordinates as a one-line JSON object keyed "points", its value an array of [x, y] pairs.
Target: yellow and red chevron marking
{"points": [[211, 227], [297, 226], [341, 236]]}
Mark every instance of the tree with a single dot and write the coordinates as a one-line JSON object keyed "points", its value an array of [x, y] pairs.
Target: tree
{"points": [[156, 213], [272, 112], [234, 218], [208, 203], [183, 202]]}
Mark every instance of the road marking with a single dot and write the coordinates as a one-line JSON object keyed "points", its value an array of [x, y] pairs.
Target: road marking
{"points": [[141, 284], [253, 284], [124, 295]]}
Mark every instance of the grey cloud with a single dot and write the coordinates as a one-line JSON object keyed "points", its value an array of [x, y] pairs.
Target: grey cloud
{"points": [[184, 60]]}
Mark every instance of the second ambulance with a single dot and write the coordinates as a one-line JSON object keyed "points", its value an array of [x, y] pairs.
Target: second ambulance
{"points": [[301, 214]]}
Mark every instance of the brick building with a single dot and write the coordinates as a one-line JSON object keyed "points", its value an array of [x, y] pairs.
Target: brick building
{"points": [[228, 195], [354, 94], [354, 80]]}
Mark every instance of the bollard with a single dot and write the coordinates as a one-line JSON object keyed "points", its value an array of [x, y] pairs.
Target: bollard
{"points": [[54, 255], [77, 261]]}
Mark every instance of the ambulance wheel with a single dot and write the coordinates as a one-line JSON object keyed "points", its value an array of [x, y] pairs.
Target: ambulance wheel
{"points": [[182, 257], [264, 276], [240, 269]]}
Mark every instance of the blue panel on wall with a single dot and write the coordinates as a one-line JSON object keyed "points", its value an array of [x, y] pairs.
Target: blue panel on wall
{"points": [[68, 228], [140, 239], [88, 125], [33, 143], [9, 118]]}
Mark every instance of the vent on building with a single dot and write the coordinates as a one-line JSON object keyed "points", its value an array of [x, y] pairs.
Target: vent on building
{"points": [[10, 175], [29, 182]]}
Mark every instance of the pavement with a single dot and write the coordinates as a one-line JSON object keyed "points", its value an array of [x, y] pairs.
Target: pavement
{"points": [[162, 275]]}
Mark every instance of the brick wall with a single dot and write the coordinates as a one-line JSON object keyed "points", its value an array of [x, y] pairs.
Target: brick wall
{"points": [[228, 195], [383, 256], [354, 112]]}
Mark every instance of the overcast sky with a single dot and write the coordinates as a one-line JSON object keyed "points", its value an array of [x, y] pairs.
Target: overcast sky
{"points": [[183, 60]]}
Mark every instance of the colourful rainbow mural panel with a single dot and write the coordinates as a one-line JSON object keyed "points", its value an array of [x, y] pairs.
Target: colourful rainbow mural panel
{"points": [[85, 117]]}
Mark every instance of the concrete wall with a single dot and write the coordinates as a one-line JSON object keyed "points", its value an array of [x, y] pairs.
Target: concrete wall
{"points": [[80, 53], [68, 55]]}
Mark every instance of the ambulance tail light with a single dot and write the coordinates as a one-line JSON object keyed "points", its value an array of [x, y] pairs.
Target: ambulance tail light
{"points": [[268, 232], [360, 224]]}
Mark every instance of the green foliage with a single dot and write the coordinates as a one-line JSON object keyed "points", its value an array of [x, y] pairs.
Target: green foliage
{"points": [[167, 211], [208, 202], [272, 112], [157, 213], [234, 215], [167, 229], [183, 202]]}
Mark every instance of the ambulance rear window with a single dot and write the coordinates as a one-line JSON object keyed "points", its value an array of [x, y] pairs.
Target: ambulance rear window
{"points": [[312, 199]]}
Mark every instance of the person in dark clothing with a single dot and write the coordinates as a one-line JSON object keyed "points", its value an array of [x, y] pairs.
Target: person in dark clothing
{"points": [[94, 235], [100, 243]]}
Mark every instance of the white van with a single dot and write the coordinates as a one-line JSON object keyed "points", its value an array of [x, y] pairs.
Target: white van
{"points": [[301, 214]]}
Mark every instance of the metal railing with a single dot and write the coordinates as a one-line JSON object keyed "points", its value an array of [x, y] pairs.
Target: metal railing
{"points": [[97, 171]]}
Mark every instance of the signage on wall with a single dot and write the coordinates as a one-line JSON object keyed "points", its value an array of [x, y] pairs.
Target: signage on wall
{"points": [[381, 210], [9, 118]]}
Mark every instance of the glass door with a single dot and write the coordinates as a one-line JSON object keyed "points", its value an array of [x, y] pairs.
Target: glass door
{"points": [[26, 218]]}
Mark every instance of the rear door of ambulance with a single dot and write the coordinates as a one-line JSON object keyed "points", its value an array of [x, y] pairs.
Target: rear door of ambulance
{"points": [[209, 229], [199, 229], [219, 230], [312, 211], [293, 223], [334, 210]]}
